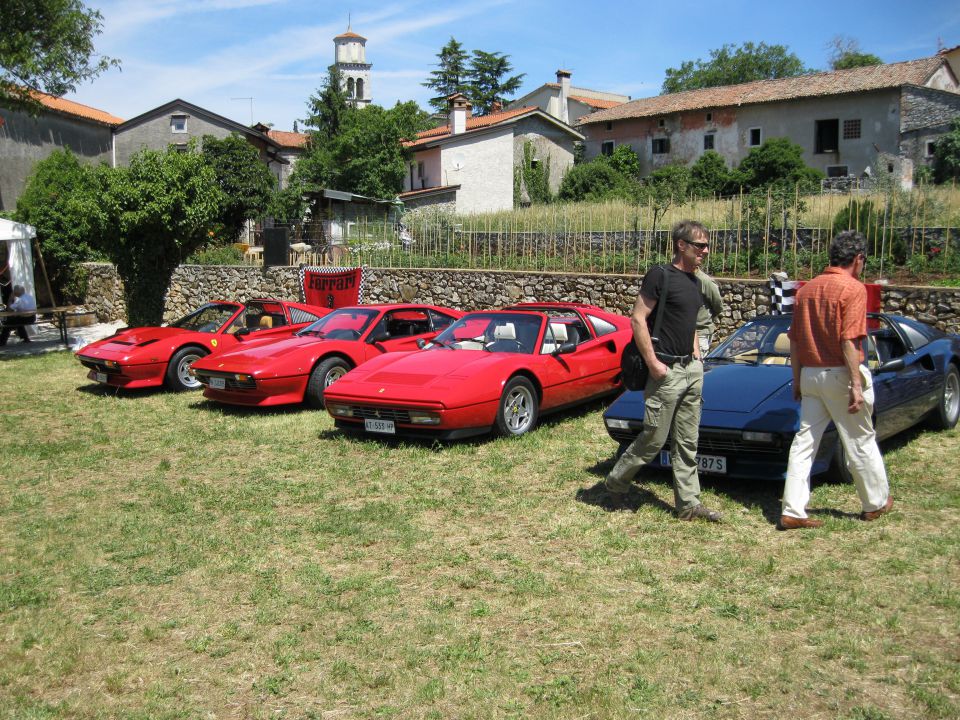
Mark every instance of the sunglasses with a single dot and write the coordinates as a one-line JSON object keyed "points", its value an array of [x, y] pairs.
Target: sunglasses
{"points": [[700, 246]]}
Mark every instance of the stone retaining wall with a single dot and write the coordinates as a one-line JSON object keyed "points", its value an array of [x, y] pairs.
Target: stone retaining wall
{"points": [[479, 289]]}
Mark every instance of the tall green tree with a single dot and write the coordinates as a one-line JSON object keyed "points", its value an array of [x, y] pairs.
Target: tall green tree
{"points": [[46, 45], [845, 53], [62, 201], [158, 211], [450, 76], [777, 162], [490, 80], [730, 65], [329, 107], [709, 175], [367, 156], [245, 180]]}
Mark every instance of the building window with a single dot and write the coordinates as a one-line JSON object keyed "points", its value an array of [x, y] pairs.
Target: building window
{"points": [[179, 147], [359, 88], [661, 146], [827, 136], [178, 123], [606, 147], [837, 171], [931, 148], [609, 126], [350, 87], [661, 122], [710, 117], [755, 137], [851, 129], [708, 141]]}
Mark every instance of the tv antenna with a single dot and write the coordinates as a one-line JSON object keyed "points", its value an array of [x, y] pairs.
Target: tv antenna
{"points": [[251, 106]]}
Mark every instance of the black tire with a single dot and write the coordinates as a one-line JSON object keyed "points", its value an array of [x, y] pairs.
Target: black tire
{"points": [[519, 408], [325, 373], [178, 376], [948, 412]]}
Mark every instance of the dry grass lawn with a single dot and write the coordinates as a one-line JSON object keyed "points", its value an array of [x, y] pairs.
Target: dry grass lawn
{"points": [[163, 557]]}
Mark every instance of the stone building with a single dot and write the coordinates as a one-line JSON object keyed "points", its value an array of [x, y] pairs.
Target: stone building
{"points": [[845, 121]]}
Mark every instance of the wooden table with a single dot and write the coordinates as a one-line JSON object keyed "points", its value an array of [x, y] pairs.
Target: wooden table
{"points": [[58, 313]]}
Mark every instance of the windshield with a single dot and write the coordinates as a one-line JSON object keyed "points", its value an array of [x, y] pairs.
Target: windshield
{"points": [[207, 319], [493, 332], [763, 341], [343, 324]]}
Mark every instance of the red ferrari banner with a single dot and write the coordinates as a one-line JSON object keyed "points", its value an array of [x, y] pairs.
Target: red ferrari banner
{"points": [[332, 287]]}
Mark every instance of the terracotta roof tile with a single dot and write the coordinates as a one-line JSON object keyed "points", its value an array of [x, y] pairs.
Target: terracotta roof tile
{"points": [[349, 34], [877, 77], [473, 123], [288, 139], [68, 107], [596, 102]]}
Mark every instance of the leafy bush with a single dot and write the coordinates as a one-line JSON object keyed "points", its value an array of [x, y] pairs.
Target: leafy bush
{"points": [[62, 201], [946, 155], [216, 255], [625, 161], [595, 181], [709, 175], [534, 176], [777, 162]]}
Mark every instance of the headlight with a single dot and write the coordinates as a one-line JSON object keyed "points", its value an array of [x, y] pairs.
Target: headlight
{"points": [[112, 364], [759, 437], [618, 423], [418, 417], [239, 377], [340, 410]]}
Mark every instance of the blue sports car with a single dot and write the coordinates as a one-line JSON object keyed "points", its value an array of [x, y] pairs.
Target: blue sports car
{"points": [[749, 414]]}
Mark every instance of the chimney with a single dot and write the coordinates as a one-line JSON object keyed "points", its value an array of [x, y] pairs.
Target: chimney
{"points": [[496, 106], [459, 113], [563, 80]]}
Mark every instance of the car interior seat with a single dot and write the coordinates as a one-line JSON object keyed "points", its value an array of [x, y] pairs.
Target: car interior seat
{"points": [[265, 322], [555, 338], [781, 346], [504, 338]]}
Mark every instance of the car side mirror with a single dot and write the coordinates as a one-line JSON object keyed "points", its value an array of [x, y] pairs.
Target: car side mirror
{"points": [[565, 349], [242, 331], [891, 365], [379, 337], [421, 343]]}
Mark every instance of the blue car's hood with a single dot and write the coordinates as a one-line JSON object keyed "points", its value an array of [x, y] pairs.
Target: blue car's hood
{"points": [[734, 396], [742, 388]]}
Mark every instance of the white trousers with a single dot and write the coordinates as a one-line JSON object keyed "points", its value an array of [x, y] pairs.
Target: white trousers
{"points": [[825, 393]]}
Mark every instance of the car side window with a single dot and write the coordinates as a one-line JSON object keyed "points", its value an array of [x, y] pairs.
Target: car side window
{"points": [[403, 323], [439, 320], [301, 316], [888, 344], [600, 326]]}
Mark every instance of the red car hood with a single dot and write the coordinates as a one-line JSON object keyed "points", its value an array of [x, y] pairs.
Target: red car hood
{"points": [[136, 336], [451, 377], [256, 356]]}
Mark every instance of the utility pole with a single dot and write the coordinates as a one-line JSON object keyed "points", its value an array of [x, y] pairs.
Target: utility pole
{"points": [[251, 106]]}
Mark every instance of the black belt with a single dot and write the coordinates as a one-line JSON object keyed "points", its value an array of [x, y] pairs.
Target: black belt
{"points": [[681, 360]]}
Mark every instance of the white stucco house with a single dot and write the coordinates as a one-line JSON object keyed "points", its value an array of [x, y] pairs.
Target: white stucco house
{"points": [[467, 165], [566, 102]]}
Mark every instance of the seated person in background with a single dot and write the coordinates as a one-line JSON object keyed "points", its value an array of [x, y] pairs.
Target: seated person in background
{"points": [[22, 301]]}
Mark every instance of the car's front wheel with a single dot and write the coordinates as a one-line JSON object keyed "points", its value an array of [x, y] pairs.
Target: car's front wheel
{"points": [[178, 369], [519, 408], [946, 415], [325, 374]]}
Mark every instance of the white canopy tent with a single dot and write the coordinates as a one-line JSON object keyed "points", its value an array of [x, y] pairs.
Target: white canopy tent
{"points": [[19, 238]]}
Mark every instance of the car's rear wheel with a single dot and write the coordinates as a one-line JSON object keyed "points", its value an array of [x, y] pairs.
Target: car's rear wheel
{"points": [[519, 408], [178, 375], [946, 415], [324, 374]]}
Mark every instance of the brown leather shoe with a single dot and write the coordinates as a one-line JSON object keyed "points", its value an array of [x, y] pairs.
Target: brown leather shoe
{"points": [[874, 514], [788, 522]]}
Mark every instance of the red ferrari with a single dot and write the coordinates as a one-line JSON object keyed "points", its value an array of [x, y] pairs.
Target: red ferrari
{"points": [[298, 368], [490, 370], [152, 356]]}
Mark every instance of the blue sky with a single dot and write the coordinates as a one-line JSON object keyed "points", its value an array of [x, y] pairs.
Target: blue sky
{"points": [[212, 52]]}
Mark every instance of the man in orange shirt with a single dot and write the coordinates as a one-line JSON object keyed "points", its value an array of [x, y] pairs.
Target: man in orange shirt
{"points": [[829, 325]]}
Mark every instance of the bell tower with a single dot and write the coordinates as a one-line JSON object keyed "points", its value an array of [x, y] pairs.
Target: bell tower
{"points": [[351, 61]]}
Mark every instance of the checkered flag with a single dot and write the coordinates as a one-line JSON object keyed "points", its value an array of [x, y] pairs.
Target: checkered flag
{"points": [[782, 292]]}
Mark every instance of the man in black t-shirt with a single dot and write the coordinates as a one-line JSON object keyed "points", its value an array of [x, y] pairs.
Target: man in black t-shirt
{"points": [[675, 388]]}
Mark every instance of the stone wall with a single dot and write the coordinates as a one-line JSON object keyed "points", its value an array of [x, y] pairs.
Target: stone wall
{"points": [[479, 289]]}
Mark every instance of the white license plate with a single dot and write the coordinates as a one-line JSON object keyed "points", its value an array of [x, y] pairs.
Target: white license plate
{"points": [[218, 383], [100, 377], [380, 426], [716, 464]]}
